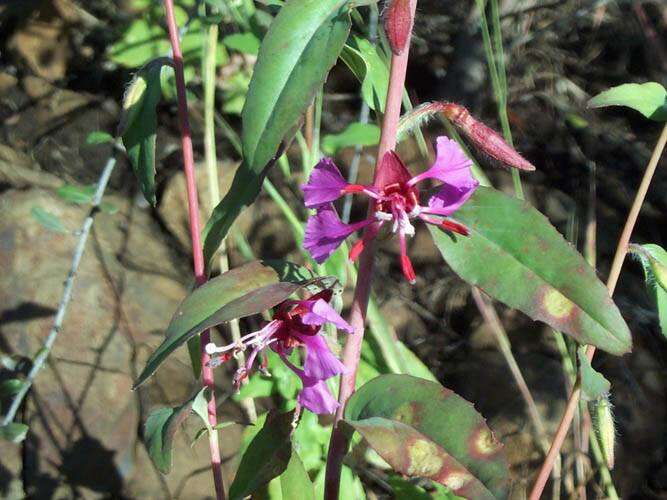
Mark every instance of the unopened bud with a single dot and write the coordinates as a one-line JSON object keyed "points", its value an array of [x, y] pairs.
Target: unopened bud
{"points": [[605, 429], [398, 24], [484, 138]]}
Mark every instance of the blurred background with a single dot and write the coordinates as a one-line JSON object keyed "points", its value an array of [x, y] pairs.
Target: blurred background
{"points": [[64, 66]]}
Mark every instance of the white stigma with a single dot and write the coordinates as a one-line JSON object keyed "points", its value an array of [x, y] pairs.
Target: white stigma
{"points": [[211, 349]]}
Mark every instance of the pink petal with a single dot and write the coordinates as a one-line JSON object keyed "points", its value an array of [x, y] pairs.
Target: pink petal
{"points": [[451, 165], [316, 397], [324, 184], [325, 232], [450, 198], [320, 312], [320, 362]]}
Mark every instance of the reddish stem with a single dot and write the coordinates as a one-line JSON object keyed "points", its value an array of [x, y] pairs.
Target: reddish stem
{"points": [[339, 442], [195, 234], [614, 273]]}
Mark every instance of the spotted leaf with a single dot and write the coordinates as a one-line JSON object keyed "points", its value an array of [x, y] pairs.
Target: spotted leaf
{"points": [[515, 255], [425, 430]]}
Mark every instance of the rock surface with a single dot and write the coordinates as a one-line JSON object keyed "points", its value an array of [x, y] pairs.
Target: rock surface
{"points": [[85, 422]]}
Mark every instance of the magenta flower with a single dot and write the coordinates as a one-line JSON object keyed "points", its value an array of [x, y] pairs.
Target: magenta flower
{"points": [[296, 323], [396, 201]]}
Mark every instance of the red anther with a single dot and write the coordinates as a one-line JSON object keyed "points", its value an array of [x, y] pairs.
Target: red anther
{"points": [[353, 188], [454, 227], [398, 24], [356, 250], [408, 271]]}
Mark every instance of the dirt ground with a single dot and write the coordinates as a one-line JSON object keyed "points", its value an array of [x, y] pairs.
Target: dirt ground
{"points": [[57, 85]]}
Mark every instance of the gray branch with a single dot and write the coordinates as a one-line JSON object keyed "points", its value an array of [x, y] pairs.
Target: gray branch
{"points": [[44, 352]]}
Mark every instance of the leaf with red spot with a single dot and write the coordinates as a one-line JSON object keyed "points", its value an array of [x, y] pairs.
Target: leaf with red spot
{"points": [[425, 430], [516, 256]]}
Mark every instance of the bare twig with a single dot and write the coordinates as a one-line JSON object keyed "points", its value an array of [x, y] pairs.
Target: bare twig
{"points": [[614, 273], [83, 233]]}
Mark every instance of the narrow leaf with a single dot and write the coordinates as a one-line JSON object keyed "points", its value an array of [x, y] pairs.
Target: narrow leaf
{"points": [[425, 430], [13, 432], [138, 124], [516, 256], [80, 195], [159, 430], [650, 99], [362, 134], [296, 54], [99, 137], [246, 290], [48, 220], [654, 260], [267, 456], [247, 43], [363, 59], [593, 384], [10, 387]]}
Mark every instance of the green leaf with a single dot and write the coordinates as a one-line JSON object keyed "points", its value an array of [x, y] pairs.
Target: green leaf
{"points": [[246, 290], [363, 59], [266, 457], [593, 384], [247, 43], [99, 137], [13, 432], [108, 208], [654, 260], [216, 427], [139, 124], [80, 195], [650, 99], [424, 430], [296, 54], [362, 134], [515, 255], [141, 42], [291, 484], [10, 387], [48, 220], [159, 430], [405, 490]]}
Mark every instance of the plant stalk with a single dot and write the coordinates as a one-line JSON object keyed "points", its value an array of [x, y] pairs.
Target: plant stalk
{"points": [[211, 162], [195, 234], [614, 273], [339, 440]]}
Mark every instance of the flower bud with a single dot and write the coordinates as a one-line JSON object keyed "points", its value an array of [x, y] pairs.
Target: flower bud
{"points": [[605, 429], [484, 138], [398, 24]]}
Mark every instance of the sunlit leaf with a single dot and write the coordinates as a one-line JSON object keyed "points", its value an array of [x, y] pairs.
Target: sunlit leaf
{"points": [[593, 384], [650, 99], [49, 220], [13, 432], [246, 290], [424, 430], [654, 260], [362, 134], [81, 195], [515, 255], [296, 54], [139, 124], [99, 137], [363, 59], [266, 457], [159, 430], [247, 43]]}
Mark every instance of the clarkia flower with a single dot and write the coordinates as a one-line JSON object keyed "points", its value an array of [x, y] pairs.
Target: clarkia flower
{"points": [[296, 323], [396, 201]]}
